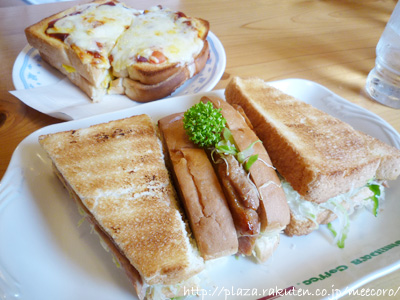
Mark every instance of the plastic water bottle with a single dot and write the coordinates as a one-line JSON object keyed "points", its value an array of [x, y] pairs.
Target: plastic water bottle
{"points": [[383, 82]]}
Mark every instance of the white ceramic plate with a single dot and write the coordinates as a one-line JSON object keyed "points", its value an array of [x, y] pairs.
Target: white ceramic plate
{"points": [[45, 255], [30, 71]]}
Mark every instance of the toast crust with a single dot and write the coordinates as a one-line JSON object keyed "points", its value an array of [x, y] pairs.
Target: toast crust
{"points": [[140, 92], [134, 203], [319, 155], [95, 93], [131, 272]]}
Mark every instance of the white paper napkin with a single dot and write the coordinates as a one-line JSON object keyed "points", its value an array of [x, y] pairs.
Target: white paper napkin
{"points": [[44, 1], [65, 101]]}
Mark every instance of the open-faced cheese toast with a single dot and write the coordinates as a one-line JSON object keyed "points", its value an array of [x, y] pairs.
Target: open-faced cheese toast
{"points": [[105, 46]]}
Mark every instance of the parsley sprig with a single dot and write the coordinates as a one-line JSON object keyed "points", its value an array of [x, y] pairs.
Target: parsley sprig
{"points": [[205, 126]]}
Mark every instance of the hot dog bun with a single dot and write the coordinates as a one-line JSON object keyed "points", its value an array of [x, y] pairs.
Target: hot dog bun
{"points": [[273, 210], [200, 191]]}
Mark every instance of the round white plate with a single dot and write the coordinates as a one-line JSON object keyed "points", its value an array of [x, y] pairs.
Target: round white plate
{"points": [[45, 255], [30, 71]]}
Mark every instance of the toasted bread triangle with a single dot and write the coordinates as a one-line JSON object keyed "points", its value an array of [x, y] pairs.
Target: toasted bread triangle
{"points": [[319, 155]]}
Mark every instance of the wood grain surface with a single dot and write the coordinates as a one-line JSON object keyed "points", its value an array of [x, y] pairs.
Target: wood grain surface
{"points": [[329, 42]]}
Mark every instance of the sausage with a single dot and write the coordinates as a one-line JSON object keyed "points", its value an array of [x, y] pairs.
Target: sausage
{"points": [[241, 196]]}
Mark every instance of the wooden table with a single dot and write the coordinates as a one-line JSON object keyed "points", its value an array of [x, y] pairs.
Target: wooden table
{"points": [[329, 42]]}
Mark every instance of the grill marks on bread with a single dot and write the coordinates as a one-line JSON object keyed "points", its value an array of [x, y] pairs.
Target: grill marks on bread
{"points": [[117, 170], [87, 155]]}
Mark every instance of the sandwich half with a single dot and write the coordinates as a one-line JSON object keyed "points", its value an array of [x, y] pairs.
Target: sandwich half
{"points": [[104, 46], [234, 206], [200, 191], [116, 173], [328, 168]]}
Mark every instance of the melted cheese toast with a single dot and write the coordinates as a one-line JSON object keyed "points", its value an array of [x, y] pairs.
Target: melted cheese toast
{"points": [[100, 44]]}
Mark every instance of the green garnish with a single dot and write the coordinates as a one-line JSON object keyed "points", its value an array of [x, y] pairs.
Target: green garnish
{"points": [[204, 124], [252, 159], [375, 188], [247, 157], [116, 262], [343, 217], [227, 145], [340, 242], [330, 227]]}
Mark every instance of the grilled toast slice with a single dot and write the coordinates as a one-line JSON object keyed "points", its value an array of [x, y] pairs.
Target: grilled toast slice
{"points": [[319, 155], [116, 171]]}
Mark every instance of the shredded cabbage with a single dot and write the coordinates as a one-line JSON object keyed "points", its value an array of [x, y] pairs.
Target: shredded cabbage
{"points": [[83, 214], [300, 208], [116, 262], [93, 231], [378, 191], [343, 226], [250, 161], [303, 209]]}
